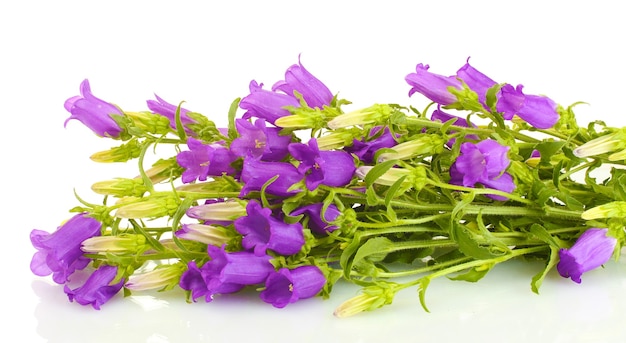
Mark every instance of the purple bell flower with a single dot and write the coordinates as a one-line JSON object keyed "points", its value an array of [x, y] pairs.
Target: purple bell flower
{"points": [[164, 108], [59, 253], [98, 289], [261, 103], [256, 173], [331, 168], [366, 149], [288, 286], [93, 112], [476, 81], [262, 231], [195, 279], [297, 78], [314, 213], [592, 249], [202, 160], [483, 163], [432, 86], [259, 141]]}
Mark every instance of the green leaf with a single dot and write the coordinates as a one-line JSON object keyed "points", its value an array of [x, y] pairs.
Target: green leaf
{"points": [[421, 290], [537, 280], [232, 112], [378, 171], [468, 245], [374, 246], [474, 274], [547, 149]]}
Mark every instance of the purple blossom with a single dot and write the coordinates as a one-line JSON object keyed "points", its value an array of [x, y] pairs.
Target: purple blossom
{"points": [[592, 249], [476, 81], [331, 168], [98, 289], [164, 108], [314, 213], [432, 86], [93, 112], [261, 103], [288, 286], [256, 173], [195, 279], [262, 231], [365, 149], [298, 79], [202, 160], [59, 252], [259, 141], [483, 163]]}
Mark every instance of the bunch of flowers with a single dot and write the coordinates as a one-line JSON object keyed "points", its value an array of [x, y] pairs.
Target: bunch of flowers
{"points": [[297, 194]]}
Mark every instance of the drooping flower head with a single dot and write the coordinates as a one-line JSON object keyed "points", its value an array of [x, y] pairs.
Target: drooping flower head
{"points": [[432, 86], [202, 160], [476, 81], [59, 253], [93, 112], [262, 231], [98, 289], [334, 168], [269, 105], [318, 223], [298, 79], [290, 285], [164, 108], [259, 141], [592, 249], [483, 163]]}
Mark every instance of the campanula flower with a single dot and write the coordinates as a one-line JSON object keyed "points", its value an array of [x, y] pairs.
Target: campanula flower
{"points": [[298, 79], [317, 223], [257, 173], [290, 285], [195, 280], [93, 112], [592, 249], [333, 168], [202, 160], [164, 108], [59, 253], [269, 105], [483, 163], [476, 81], [98, 289], [366, 148], [262, 231], [259, 141], [432, 86], [538, 111]]}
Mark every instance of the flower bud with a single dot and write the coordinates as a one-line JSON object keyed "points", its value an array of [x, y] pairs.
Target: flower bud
{"points": [[150, 207], [207, 234], [150, 122], [218, 211], [124, 243], [122, 153], [615, 209], [604, 144], [422, 145], [120, 187], [163, 277], [374, 114], [373, 297]]}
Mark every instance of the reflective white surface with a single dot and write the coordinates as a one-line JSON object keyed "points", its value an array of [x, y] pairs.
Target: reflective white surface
{"points": [[206, 54]]}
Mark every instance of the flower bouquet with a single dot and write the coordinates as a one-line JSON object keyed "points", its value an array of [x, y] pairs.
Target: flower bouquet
{"points": [[297, 193]]}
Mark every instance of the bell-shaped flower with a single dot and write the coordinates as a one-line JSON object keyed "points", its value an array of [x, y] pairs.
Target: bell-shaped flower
{"points": [[257, 173], [195, 280], [262, 231], [476, 81], [319, 223], [290, 285], [93, 112], [538, 111], [366, 148], [259, 141], [592, 249], [298, 79], [483, 163], [433, 86], [98, 289], [202, 160], [59, 253], [269, 105], [164, 108], [334, 168]]}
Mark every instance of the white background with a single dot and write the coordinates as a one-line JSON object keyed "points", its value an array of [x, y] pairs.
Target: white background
{"points": [[206, 53]]}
